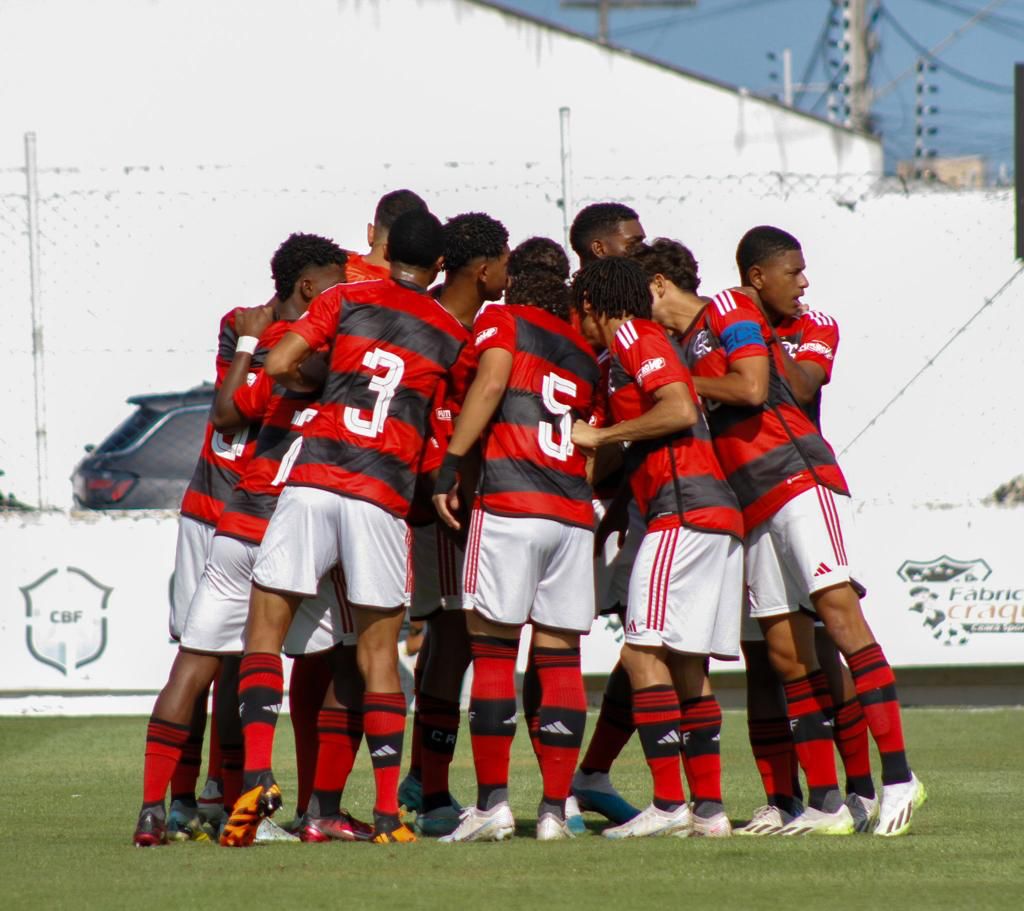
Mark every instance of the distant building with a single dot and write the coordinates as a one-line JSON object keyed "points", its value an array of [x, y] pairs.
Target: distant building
{"points": [[965, 172]]}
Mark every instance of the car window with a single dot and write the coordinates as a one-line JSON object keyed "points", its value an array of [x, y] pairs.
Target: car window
{"points": [[173, 448], [129, 431]]}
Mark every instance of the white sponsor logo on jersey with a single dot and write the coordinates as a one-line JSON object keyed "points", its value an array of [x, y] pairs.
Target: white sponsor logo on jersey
{"points": [[250, 379], [651, 365], [482, 337], [818, 348]]}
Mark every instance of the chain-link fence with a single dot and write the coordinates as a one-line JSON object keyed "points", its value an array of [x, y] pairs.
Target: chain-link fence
{"points": [[137, 265]]}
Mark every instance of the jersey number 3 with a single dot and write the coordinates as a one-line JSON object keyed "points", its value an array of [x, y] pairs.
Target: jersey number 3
{"points": [[552, 386], [383, 387]]}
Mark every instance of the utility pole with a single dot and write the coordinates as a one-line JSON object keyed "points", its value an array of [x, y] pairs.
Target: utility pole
{"points": [[922, 110], [604, 7], [858, 47]]}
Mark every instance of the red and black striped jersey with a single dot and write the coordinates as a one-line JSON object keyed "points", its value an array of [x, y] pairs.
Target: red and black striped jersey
{"points": [[390, 346], [676, 480], [223, 457], [357, 269], [770, 453], [530, 465], [812, 338], [283, 412]]}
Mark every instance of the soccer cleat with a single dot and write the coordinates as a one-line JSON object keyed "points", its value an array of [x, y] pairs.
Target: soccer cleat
{"points": [[897, 806], [573, 816], [920, 794], [495, 824], [268, 832], [255, 804], [596, 792], [864, 811], [714, 826], [343, 827], [551, 828], [150, 830], [410, 794], [440, 820], [818, 822], [185, 824], [401, 834], [654, 823], [767, 820]]}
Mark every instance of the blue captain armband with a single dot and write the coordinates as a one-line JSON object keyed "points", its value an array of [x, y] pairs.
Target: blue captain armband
{"points": [[739, 335]]}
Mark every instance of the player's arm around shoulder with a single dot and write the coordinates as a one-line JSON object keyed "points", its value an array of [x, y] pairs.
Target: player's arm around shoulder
{"points": [[250, 324], [736, 319], [814, 357]]}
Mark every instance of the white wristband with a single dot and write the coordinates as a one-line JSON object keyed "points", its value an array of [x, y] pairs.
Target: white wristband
{"points": [[246, 344]]}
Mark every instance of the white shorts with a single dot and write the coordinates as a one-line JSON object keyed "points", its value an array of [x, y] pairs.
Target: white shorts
{"points": [[190, 556], [220, 609], [437, 571], [312, 530], [613, 567], [521, 568], [686, 593], [797, 552]]}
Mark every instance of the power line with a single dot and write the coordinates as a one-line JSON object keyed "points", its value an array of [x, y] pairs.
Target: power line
{"points": [[992, 21], [989, 301]]}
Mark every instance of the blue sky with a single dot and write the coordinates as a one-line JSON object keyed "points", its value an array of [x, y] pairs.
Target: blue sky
{"points": [[729, 40]]}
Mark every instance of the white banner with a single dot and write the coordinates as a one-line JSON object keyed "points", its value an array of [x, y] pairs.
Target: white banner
{"points": [[84, 597]]}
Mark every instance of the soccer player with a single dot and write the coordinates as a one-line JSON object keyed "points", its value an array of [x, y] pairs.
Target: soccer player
{"points": [[528, 558], [303, 266], [476, 257], [794, 499], [374, 265], [346, 502], [771, 261], [687, 582], [605, 229]]}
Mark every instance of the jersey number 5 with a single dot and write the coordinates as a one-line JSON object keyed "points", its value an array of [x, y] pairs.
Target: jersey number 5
{"points": [[383, 386], [552, 385]]}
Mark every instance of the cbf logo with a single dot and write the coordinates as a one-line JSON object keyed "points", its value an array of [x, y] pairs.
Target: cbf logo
{"points": [[65, 626], [955, 604]]}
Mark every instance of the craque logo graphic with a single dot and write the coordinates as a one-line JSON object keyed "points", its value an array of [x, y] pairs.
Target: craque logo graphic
{"points": [[65, 624], [955, 605]]}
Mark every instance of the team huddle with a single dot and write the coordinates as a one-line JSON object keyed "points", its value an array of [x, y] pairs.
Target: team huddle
{"points": [[517, 447]]}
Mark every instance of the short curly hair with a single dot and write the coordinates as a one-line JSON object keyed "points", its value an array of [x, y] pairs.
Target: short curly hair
{"points": [[539, 254], [593, 221], [471, 236], [298, 253], [760, 244], [671, 259]]}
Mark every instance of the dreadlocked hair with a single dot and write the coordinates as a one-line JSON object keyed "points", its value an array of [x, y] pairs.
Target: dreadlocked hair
{"points": [[539, 288], [671, 259], [539, 254], [615, 287], [298, 253]]}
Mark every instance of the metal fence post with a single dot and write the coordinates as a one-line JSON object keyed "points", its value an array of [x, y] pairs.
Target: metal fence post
{"points": [[567, 203], [38, 373]]}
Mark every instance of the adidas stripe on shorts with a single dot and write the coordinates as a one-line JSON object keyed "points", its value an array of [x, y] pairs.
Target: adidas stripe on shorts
{"points": [[522, 568], [798, 551], [686, 593]]}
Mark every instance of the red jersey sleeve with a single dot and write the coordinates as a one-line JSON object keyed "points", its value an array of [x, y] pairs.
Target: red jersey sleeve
{"points": [[739, 325], [319, 324], [647, 355], [819, 341], [252, 398], [495, 327]]}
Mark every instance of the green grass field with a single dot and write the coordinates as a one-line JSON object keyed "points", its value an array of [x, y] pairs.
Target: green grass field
{"points": [[72, 787]]}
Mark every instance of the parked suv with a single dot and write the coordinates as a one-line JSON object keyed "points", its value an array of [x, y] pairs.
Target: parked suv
{"points": [[147, 462]]}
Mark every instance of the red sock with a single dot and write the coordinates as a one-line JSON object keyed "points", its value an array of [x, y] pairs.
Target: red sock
{"points": [[439, 725], [701, 731], [310, 677], [614, 724], [876, 692], [186, 773], [772, 746], [809, 706], [492, 715], [260, 693], [164, 744], [851, 735], [340, 731], [561, 720], [656, 716], [384, 723]]}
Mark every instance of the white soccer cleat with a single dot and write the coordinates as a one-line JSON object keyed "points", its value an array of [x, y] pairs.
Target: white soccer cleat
{"points": [[654, 823], [818, 822], [897, 806], [495, 824], [716, 826], [864, 811], [269, 832], [551, 828], [920, 794], [766, 820], [574, 816]]}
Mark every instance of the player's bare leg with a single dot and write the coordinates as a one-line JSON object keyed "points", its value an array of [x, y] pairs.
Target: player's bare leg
{"points": [[384, 711], [839, 609], [260, 695]]}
